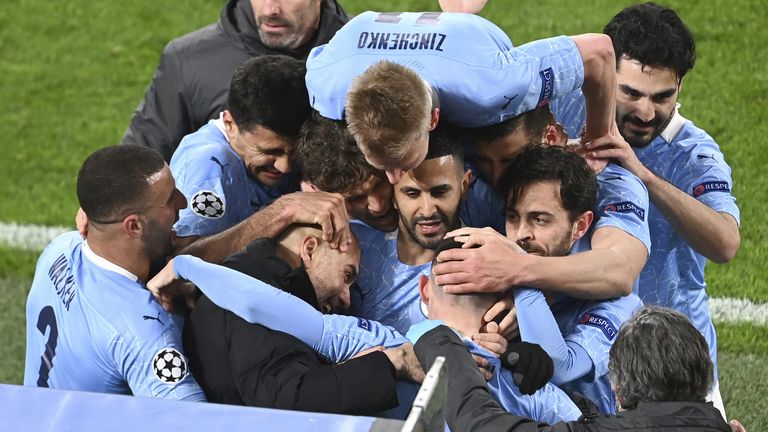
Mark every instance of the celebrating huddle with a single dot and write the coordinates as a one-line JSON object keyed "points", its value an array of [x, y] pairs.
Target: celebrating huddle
{"points": [[311, 224]]}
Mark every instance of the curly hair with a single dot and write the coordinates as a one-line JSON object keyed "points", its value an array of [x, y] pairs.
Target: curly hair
{"points": [[329, 157], [653, 35]]}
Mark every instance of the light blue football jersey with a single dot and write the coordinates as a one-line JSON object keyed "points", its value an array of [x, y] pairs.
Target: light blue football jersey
{"points": [[480, 78], [92, 326], [549, 404], [387, 290], [578, 335], [220, 191], [622, 202], [688, 158]]}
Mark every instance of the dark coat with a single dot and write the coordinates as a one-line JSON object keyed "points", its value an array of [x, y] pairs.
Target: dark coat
{"points": [[470, 407], [240, 363], [191, 82]]}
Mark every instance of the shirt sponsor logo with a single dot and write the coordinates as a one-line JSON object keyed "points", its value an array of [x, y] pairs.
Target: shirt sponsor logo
{"points": [[364, 324], [600, 322], [547, 86], [401, 41], [712, 186], [625, 207]]}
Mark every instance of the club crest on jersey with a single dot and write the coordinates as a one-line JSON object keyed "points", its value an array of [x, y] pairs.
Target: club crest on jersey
{"points": [[625, 207], [170, 366], [712, 186], [207, 204], [547, 86], [605, 325]]}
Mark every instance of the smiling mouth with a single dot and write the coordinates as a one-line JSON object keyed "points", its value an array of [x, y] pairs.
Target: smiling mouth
{"points": [[429, 227]]}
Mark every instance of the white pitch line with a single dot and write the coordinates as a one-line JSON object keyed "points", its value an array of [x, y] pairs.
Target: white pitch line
{"points": [[725, 310], [29, 237], [731, 310]]}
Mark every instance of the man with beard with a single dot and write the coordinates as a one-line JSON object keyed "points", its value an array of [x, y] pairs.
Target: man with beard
{"points": [[693, 216], [248, 364], [91, 324], [190, 84], [366, 191], [427, 199], [620, 240], [233, 168], [550, 196]]}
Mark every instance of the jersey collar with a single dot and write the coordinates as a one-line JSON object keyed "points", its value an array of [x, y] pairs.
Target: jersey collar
{"points": [[105, 264], [676, 123]]}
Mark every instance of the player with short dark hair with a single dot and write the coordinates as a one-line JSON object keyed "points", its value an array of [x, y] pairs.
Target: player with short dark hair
{"points": [[428, 199], [551, 194], [91, 324], [694, 216], [237, 171]]}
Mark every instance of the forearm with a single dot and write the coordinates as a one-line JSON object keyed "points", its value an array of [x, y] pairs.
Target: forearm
{"points": [[537, 325], [714, 235], [609, 269], [599, 86], [269, 222]]}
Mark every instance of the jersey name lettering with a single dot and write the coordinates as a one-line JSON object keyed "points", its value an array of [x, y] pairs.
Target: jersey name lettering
{"points": [[63, 280], [401, 41]]}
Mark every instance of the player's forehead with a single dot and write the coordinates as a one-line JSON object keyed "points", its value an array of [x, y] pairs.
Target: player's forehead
{"points": [[645, 79], [433, 173], [538, 197]]}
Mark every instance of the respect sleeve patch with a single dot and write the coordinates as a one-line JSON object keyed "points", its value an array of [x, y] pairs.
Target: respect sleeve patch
{"points": [[604, 324], [547, 86], [625, 207], [711, 186]]}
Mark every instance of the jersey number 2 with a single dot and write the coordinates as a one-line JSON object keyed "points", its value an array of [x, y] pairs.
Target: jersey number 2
{"points": [[47, 319]]}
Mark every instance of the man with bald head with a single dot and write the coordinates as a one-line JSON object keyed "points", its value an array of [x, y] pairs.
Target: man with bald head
{"points": [[249, 364]]}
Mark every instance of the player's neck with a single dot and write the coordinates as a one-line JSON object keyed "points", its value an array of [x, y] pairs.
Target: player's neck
{"points": [[464, 321], [122, 254], [411, 253]]}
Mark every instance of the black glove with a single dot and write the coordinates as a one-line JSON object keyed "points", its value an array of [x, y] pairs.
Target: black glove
{"points": [[531, 365]]}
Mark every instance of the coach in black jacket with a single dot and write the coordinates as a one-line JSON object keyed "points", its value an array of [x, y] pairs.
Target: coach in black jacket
{"points": [[657, 345], [240, 363], [191, 82]]}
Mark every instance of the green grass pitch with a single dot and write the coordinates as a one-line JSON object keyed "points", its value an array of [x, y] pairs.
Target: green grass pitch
{"points": [[74, 70]]}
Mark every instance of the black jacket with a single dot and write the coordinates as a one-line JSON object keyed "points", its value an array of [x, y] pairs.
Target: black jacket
{"points": [[191, 82], [469, 407], [240, 363]]}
